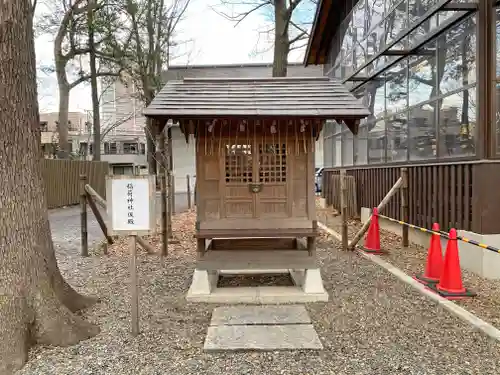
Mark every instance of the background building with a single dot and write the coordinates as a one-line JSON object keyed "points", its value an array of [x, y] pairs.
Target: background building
{"points": [[122, 128], [425, 69], [77, 127], [125, 151]]}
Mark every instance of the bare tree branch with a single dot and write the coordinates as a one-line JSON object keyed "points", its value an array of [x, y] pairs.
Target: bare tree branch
{"points": [[115, 125], [239, 17], [300, 36], [282, 12], [151, 26], [300, 28], [298, 46], [289, 13]]}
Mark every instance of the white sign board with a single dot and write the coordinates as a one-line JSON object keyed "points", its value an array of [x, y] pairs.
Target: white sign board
{"points": [[131, 204]]}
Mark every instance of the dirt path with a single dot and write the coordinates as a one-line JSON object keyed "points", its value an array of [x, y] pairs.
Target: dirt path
{"points": [[65, 226]]}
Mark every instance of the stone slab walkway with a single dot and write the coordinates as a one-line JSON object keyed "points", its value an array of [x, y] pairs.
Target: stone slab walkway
{"points": [[286, 327], [237, 315]]}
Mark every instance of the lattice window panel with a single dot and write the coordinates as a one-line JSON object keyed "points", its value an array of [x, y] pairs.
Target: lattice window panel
{"points": [[272, 163], [238, 159]]}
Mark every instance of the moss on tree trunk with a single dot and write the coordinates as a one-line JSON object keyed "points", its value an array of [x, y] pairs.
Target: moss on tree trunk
{"points": [[36, 304]]}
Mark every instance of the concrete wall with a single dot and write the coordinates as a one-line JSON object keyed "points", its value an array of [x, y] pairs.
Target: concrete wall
{"points": [[238, 71], [184, 160], [318, 152], [133, 159], [482, 262]]}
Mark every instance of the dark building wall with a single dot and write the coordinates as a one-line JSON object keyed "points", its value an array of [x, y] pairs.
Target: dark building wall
{"points": [[434, 111], [424, 106]]}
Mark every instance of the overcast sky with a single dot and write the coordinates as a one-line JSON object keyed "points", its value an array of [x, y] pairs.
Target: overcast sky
{"points": [[216, 41]]}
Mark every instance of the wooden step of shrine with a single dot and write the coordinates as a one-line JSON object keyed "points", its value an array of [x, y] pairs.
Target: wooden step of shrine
{"points": [[214, 260], [271, 233], [254, 243]]}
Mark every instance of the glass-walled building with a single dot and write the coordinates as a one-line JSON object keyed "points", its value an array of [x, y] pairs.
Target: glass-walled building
{"points": [[428, 71]]}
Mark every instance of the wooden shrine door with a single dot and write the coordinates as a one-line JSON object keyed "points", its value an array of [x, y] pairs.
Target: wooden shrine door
{"points": [[271, 201], [255, 182], [238, 166]]}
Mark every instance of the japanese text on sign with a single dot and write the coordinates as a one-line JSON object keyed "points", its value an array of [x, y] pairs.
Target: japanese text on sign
{"points": [[131, 205]]}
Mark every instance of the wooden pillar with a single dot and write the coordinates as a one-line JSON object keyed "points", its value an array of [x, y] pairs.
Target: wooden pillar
{"points": [[134, 292], [100, 221], [160, 160], [404, 206], [172, 189], [311, 241], [170, 166], [486, 85], [200, 247], [188, 187], [343, 208], [83, 217], [485, 219], [329, 199]]}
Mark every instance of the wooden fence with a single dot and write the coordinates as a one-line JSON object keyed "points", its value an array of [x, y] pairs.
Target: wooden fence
{"points": [[332, 192], [437, 193], [62, 180]]}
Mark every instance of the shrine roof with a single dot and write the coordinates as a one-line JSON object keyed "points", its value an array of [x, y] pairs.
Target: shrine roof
{"points": [[318, 97]]}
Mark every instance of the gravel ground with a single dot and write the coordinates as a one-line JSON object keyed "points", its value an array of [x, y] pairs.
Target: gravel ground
{"points": [[373, 324], [412, 260]]}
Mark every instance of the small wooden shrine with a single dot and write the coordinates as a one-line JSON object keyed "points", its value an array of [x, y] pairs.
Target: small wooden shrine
{"points": [[255, 141]]}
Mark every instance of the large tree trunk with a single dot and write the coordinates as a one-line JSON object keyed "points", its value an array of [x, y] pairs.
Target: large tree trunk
{"points": [[32, 291], [96, 122], [281, 40], [62, 130], [64, 89], [280, 62]]}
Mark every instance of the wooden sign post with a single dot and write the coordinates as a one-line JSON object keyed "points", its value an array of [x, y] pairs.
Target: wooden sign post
{"points": [[131, 211]]}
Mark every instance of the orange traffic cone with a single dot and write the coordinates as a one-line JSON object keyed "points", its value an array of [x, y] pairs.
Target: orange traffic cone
{"points": [[372, 241], [450, 284], [434, 264]]}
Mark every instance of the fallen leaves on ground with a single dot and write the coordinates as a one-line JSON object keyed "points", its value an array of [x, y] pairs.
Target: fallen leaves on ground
{"points": [[412, 261], [183, 228]]}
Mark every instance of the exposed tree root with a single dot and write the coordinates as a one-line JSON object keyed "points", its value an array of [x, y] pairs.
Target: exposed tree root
{"points": [[56, 325], [41, 319], [73, 300], [33, 297], [70, 298]]}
